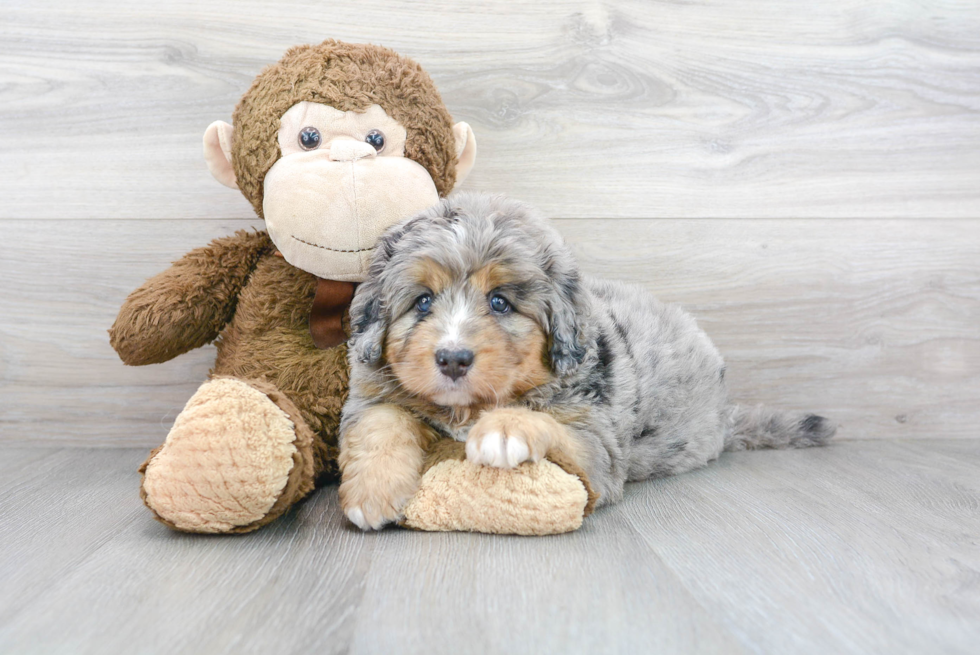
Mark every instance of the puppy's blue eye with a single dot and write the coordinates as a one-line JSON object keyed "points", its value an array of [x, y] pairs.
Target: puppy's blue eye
{"points": [[499, 304], [424, 303]]}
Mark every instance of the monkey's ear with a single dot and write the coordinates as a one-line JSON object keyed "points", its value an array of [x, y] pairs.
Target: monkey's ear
{"points": [[217, 152], [465, 151]]}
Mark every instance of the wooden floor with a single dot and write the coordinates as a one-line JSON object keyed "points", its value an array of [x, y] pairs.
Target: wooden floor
{"points": [[862, 547]]}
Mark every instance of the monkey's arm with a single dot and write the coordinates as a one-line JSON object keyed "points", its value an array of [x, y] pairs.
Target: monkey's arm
{"points": [[186, 306]]}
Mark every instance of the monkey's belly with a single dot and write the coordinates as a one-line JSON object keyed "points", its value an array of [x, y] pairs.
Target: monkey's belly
{"points": [[269, 339]]}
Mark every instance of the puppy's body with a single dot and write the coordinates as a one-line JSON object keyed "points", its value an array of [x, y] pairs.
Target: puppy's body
{"points": [[654, 386], [628, 387]]}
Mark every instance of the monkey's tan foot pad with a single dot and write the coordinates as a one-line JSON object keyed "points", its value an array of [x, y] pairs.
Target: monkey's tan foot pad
{"points": [[533, 499], [238, 456]]}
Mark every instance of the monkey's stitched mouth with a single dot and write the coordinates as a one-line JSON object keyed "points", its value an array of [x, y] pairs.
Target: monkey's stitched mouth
{"points": [[317, 245]]}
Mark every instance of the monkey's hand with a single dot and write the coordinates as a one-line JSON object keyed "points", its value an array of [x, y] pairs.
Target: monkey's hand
{"points": [[186, 306]]}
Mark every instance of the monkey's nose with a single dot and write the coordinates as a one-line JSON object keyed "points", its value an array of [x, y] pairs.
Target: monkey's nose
{"points": [[350, 150], [454, 363]]}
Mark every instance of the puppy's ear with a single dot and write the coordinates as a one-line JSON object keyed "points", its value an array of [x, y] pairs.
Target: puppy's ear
{"points": [[368, 314], [368, 325], [565, 316], [368, 319]]}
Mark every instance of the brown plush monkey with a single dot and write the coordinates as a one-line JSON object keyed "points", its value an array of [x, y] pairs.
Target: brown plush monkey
{"points": [[331, 145]]}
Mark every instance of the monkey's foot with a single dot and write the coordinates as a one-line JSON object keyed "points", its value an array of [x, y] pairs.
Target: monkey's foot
{"points": [[539, 498], [237, 457]]}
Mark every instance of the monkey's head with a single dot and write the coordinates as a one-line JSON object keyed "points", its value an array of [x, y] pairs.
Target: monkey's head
{"points": [[335, 143]]}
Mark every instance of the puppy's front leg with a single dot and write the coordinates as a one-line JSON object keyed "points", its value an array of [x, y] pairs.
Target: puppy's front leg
{"points": [[381, 458], [507, 436]]}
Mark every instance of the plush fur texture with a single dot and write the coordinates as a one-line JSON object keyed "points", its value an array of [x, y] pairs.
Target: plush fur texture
{"points": [[236, 291], [534, 499], [269, 339], [187, 305], [258, 314], [231, 457], [631, 388], [348, 77]]}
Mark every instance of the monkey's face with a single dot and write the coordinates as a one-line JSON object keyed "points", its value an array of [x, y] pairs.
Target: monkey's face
{"points": [[342, 179], [334, 143]]}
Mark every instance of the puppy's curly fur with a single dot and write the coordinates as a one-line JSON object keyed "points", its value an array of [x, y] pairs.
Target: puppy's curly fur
{"points": [[476, 324]]}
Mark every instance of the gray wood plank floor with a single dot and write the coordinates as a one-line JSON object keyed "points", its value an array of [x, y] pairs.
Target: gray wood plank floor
{"points": [[862, 547]]}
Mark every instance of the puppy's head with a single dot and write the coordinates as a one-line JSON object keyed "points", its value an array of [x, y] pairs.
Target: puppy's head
{"points": [[473, 302]]}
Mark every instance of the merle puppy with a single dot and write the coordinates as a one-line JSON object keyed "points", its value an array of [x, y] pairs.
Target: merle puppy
{"points": [[476, 324]]}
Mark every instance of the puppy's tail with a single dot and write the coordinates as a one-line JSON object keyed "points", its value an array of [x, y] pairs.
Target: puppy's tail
{"points": [[762, 427]]}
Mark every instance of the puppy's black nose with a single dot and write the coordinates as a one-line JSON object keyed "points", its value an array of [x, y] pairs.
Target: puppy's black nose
{"points": [[454, 363]]}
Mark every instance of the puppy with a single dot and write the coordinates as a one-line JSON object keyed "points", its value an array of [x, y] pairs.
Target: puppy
{"points": [[475, 323]]}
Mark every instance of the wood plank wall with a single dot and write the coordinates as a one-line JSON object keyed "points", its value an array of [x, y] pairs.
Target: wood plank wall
{"points": [[805, 177]]}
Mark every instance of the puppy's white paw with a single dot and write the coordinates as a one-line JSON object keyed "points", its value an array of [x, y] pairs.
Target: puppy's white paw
{"points": [[507, 436], [371, 503], [368, 521], [356, 517], [495, 449]]}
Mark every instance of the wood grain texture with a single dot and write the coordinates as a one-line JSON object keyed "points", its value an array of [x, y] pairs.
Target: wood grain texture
{"points": [[596, 112], [873, 323], [774, 546], [624, 108], [161, 591], [856, 548], [62, 288], [596, 590], [67, 505]]}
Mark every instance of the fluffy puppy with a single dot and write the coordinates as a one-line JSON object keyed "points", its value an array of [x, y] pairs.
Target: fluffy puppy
{"points": [[475, 324]]}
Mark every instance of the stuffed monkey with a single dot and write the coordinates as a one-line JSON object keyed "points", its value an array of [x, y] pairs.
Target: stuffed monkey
{"points": [[331, 145]]}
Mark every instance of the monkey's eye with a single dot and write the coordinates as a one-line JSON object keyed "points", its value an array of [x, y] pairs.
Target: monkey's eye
{"points": [[499, 304], [309, 138], [376, 139], [424, 303]]}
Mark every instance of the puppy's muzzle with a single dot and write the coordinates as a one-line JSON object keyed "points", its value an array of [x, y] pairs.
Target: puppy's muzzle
{"points": [[454, 363]]}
